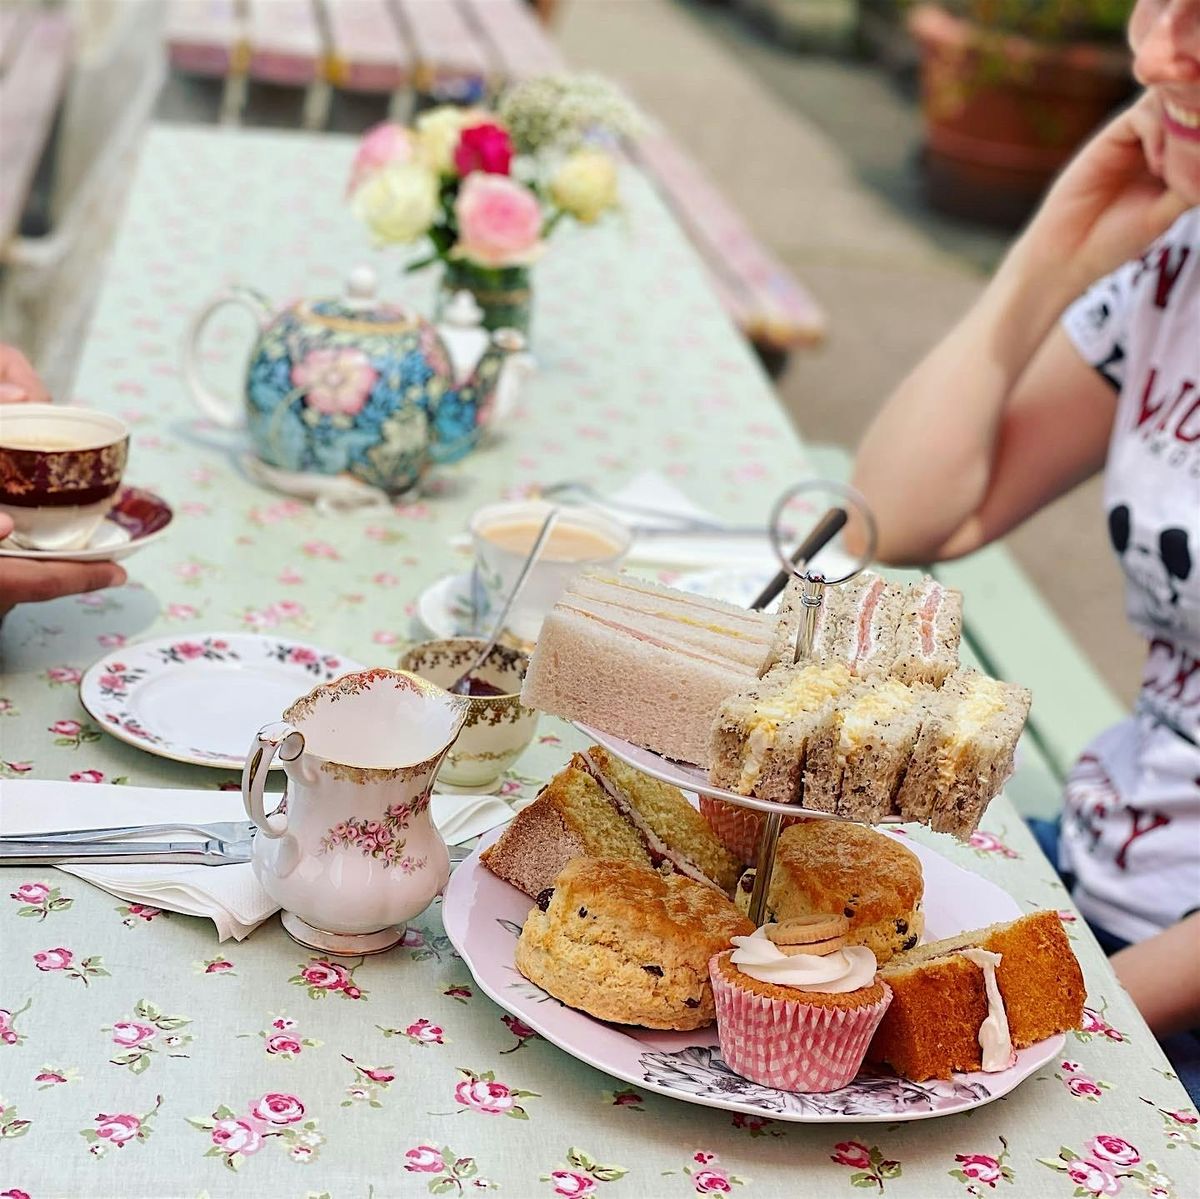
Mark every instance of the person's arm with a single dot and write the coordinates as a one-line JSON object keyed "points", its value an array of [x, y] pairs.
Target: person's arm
{"points": [[1003, 414], [1162, 976], [19, 382]]}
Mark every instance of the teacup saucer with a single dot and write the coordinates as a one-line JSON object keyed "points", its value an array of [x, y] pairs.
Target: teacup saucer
{"points": [[136, 519], [444, 608]]}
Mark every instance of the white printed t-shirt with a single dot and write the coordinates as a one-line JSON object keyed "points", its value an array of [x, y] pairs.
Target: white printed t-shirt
{"points": [[1131, 819]]}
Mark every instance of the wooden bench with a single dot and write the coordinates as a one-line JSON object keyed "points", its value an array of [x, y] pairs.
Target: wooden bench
{"points": [[35, 57], [1010, 632], [462, 51]]}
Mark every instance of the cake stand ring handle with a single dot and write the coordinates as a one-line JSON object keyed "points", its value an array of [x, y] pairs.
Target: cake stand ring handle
{"points": [[854, 499]]}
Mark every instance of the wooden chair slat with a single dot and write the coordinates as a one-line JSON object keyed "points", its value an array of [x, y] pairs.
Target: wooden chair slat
{"points": [[285, 42], [30, 91], [783, 314], [204, 37], [366, 50], [451, 62], [14, 24], [520, 48]]}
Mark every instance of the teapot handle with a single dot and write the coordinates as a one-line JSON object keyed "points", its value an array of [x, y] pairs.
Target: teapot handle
{"points": [[274, 738], [220, 409]]}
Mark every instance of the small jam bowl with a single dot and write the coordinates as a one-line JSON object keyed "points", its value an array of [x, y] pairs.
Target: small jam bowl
{"points": [[498, 728]]}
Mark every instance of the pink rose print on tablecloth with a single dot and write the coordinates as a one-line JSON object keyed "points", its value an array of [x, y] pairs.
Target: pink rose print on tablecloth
{"points": [[274, 1116], [419, 1032], [150, 1033], [62, 961], [985, 844], [1079, 1084], [582, 1174], [217, 965], [283, 1040], [49, 1077], [627, 1098], [11, 1124], [8, 1024], [63, 676], [335, 382], [708, 1176], [369, 1083], [756, 1126], [459, 991], [1094, 1025], [321, 978], [71, 734], [520, 1030], [118, 1129], [1181, 1127], [483, 1094], [1105, 1164], [88, 776], [133, 914], [39, 899], [446, 1170], [979, 1170], [870, 1167], [10, 770]]}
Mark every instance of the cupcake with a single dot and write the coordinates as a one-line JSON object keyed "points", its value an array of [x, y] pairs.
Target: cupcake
{"points": [[796, 1005], [738, 828]]}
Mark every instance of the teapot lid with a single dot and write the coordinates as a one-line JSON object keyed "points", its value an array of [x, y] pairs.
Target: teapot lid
{"points": [[359, 309]]}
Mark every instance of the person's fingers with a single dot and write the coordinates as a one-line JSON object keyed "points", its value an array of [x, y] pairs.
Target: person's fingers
{"points": [[1145, 122], [16, 370], [6, 525], [11, 393], [23, 581]]}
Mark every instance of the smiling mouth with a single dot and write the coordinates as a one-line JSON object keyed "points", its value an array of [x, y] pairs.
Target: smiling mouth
{"points": [[1180, 121]]}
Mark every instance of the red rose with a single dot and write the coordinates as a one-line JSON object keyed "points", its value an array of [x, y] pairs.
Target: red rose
{"points": [[852, 1153], [483, 147]]}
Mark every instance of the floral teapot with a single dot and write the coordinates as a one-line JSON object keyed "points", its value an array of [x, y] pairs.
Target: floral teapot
{"points": [[355, 386]]}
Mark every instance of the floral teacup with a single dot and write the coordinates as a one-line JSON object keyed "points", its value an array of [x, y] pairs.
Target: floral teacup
{"points": [[498, 728]]}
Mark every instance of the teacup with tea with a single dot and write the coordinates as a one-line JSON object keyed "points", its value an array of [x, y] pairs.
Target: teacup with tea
{"points": [[60, 469], [502, 536]]}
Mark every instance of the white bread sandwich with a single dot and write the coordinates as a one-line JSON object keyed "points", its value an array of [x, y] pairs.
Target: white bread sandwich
{"points": [[646, 663], [964, 753], [761, 735], [857, 624], [858, 756], [928, 634]]}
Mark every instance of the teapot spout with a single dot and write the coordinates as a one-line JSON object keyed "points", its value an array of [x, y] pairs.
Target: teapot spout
{"points": [[505, 366]]}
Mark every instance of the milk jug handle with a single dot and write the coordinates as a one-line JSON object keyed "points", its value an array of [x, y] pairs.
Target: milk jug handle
{"points": [[275, 738], [220, 409]]}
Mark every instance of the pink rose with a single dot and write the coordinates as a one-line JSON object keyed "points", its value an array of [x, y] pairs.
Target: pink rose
{"points": [[1107, 1148], [49, 1077], [709, 1181], [53, 959], [329, 976], [423, 1030], [87, 776], [276, 1108], [1112, 1034], [569, 1182], [14, 1194], [336, 382], [424, 1159], [34, 893], [118, 1129], [218, 967], [1083, 1086], [130, 1033], [281, 1043], [629, 1099], [980, 1167], [190, 650], [302, 654], [518, 1028], [484, 147], [1092, 1177], [352, 992], [63, 674], [380, 1075], [479, 1094], [499, 221], [458, 992], [111, 640], [1182, 1117], [111, 682], [1091, 1022], [145, 911], [237, 1136], [1070, 1066], [66, 728], [381, 146], [852, 1153]]}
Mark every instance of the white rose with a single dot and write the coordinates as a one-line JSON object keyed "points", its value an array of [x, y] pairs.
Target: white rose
{"points": [[398, 203], [585, 185], [438, 132]]}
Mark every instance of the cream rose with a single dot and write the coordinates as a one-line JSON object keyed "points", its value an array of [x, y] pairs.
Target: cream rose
{"points": [[397, 203], [438, 131], [585, 186]]}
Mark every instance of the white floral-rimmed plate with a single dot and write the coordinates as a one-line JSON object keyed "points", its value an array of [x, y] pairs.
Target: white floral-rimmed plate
{"points": [[483, 916], [201, 699]]}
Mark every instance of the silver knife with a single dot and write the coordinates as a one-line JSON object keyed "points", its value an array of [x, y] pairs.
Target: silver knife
{"points": [[213, 852], [229, 831]]}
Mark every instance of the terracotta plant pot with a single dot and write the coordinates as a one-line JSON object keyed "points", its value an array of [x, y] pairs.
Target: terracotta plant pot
{"points": [[1003, 114]]}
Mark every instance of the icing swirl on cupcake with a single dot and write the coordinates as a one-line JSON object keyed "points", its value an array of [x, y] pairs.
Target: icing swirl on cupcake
{"points": [[847, 969]]}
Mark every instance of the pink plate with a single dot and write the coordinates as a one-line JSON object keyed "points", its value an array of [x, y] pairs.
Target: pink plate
{"points": [[483, 917], [137, 518]]}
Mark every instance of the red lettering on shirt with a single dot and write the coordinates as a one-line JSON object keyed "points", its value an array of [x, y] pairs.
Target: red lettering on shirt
{"points": [[1176, 671], [1169, 268], [1138, 829], [1169, 409]]}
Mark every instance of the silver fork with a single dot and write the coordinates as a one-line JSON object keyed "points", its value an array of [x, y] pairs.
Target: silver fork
{"points": [[212, 852], [228, 831]]}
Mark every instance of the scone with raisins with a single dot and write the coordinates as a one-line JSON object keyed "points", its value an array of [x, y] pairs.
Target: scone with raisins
{"points": [[626, 943]]}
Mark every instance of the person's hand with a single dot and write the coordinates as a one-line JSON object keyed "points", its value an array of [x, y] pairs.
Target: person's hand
{"points": [[1109, 204], [19, 382], [24, 581]]}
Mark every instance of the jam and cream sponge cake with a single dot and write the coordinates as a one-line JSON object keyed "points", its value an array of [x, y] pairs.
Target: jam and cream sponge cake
{"points": [[969, 1002], [623, 942], [648, 663], [964, 753], [598, 807], [868, 877]]}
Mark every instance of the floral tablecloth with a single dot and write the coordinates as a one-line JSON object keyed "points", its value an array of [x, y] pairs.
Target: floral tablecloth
{"points": [[138, 1057]]}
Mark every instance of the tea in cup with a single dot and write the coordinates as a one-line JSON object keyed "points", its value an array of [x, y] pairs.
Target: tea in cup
{"points": [[503, 534], [60, 469]]}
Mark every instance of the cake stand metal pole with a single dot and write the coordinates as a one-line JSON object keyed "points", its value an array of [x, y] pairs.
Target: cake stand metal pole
{"points": [[811, 598], [764, 865]]}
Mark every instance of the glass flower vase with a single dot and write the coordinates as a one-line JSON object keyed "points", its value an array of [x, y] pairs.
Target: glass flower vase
{"points": [[503, 293]]}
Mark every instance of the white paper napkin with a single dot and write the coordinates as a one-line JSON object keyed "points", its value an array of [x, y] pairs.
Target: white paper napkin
{"points": [[229, 895]]}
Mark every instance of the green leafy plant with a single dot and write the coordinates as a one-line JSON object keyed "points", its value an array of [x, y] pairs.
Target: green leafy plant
{"points": [[1047, 20]]}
